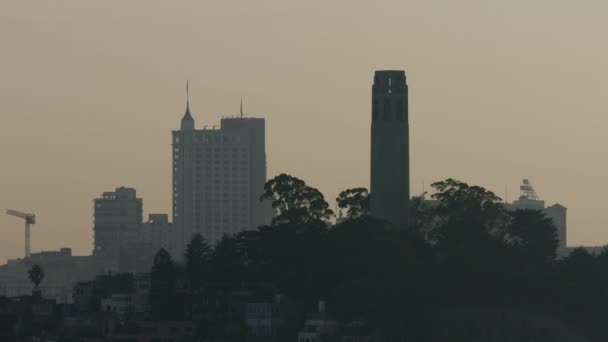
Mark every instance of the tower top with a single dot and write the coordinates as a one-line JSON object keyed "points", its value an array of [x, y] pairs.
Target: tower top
{"points": [[386, 79], [187, 120], [241, 107]]}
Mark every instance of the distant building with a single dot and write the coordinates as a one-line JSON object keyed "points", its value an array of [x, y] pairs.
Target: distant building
{"points": [[319, 326], [557, 214], [390, 162], [157, 233], [269, 320], [356, 331], [130, 304], [124, 294], [118, 217], [218, 178], [152, 331], [125, 305], [528, 199], [62, 272]]}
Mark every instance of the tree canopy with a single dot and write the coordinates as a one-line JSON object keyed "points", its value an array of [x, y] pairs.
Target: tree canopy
{"points": [[163, 283], [463, 251], [36, 275], [198, 253], [355, 201], [294, 201]]}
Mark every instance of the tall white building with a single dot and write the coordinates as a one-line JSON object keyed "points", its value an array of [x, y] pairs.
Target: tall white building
{"points": [[218, 178]]}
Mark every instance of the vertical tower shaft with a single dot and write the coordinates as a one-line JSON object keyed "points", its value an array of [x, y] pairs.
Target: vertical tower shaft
{"points": [[27, 239], [389, 187]]}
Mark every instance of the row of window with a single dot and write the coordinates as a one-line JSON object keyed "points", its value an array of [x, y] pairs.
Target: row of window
{"points": [[238, 190], [215, 138], [209, 156]]}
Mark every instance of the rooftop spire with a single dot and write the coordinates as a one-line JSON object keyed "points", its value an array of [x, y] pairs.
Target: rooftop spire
{"points": [[241, 107], [187, 96], [187, 120]]}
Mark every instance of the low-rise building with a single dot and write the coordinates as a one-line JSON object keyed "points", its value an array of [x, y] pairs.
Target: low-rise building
{"points": [[125, 305], [62, 272], [269, 320], [356, 331], [319, 326], [152, 331]]}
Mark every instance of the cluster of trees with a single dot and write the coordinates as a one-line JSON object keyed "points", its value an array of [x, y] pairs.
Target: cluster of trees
{"points": [[461, 250]]}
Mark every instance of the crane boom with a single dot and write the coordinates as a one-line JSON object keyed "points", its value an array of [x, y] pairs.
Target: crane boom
{"points": [[29, 220], [28, 217]]}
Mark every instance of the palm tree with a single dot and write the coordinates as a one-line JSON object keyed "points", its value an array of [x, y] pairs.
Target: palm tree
{"points": [[36, 275]]}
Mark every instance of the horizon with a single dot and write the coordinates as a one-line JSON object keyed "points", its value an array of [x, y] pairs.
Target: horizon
{"points": [[89, 100]]}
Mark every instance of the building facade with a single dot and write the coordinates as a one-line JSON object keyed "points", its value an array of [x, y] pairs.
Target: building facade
{"points": [[218, 178], [157, 233], [390, 163], [118, 218], [557, 214], [62, 271]]}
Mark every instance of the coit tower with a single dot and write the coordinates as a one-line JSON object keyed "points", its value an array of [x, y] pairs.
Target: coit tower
{"points": [[390, 160]]}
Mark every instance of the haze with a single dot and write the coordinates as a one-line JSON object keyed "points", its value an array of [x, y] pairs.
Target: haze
{"points": [[499, 91]]}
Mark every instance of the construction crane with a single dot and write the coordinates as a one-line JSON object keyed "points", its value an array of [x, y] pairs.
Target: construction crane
{"points": [[29, 220]]}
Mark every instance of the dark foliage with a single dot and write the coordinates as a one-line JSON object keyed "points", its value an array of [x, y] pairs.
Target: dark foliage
{"points": [[464, 253], [355, 201], [294, 201], [163, 287], [198, 254], [36, 275]]}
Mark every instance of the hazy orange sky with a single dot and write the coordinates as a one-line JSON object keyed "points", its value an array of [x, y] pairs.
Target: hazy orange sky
{"points": [[499, 91]]}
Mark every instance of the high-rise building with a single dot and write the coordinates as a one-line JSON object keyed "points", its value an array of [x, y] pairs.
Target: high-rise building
{"points": [[118, 217], [390, 169], [218, 178]]}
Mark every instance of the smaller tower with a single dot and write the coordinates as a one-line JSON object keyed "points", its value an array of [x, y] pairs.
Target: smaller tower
{"points": [[187, 120]]}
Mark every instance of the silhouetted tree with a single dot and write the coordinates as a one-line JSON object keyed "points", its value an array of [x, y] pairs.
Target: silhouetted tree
{"points": [[163, 294], [227, 263], [468, 232], [197, 257], [533, 235], [355, 201], [36, 275], [463, 212], [458, 200], [294, 201], [421, 216], [464, 252], [378, 273]]}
